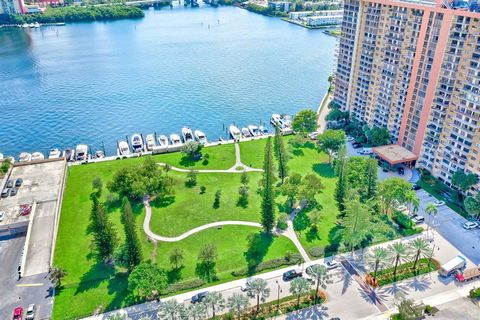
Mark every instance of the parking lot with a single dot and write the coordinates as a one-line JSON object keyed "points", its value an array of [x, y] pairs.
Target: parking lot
{"points": [[27, 240]]}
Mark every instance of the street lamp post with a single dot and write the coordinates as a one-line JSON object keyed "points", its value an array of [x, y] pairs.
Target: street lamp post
{"points": [[278, 294]]}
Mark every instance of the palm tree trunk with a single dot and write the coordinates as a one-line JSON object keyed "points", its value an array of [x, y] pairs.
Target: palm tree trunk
{"points": [[395, 268], [298, 301], [213, 311], [258, 302], [316, 291], [416, 260], [375, 271]]}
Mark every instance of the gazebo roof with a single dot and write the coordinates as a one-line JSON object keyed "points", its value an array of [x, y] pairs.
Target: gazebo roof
{"points": [[395, 154]]}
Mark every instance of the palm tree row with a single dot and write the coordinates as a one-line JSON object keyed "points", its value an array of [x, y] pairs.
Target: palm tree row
{"points": [[398, 253]]}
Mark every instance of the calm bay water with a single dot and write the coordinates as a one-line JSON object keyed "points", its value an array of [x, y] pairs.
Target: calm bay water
{"points": [[198, 67]]}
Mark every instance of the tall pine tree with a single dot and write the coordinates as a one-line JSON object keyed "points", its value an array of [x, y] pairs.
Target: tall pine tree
{"points": [[371, 179], [341, 188], [280, 154], [104, 236], [132, 250], [268, 201]]}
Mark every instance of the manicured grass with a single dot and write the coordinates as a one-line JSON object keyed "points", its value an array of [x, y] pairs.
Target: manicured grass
{"points": [[405, 271], [220, 157], [252, 152], [189, 208]]}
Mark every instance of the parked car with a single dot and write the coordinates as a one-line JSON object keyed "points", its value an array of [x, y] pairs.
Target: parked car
{"points": [[2, 215], [332, 264], [357, 145], [350, 139], [401, 171], [418, 219], [470, 225], [366, 151], [18, 182], [17, 313], [25, 209], [313, 135], [13, 192], [416, 187], [439, 203], [291, 274], [199, 297], [9, 184], [5, 192], [31, 312]]}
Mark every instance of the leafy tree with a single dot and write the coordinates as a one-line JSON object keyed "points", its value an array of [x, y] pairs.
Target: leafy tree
{"points": [[216, 301], [177, 256], [371, 178], [341, 187], [243, 196], [237, 303], [337, 115], [244, 180], [315, 217], [299, 287], [56, 276], [197, 311], [191, 180], [330, 142], [304, 122], [472, 205], [463, 181], [399, 253], [420, 248], [207, 258], [391, 190], [169, 309], [132, 248], [431, 210], [281, 155], [407, 310], [216, 202], [146, 280], [357, 222], [192, 149], [203, 189], [104, 235], [378, 258], [257, 288], [268, 194], [412, 200], [310, 187], [6, 164], [97, 184], [378, 136], [291, 187], [319, 273]]}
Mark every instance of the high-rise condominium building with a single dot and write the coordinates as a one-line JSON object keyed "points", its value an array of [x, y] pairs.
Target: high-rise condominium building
{"points": [[11, 6], [414, 68]]}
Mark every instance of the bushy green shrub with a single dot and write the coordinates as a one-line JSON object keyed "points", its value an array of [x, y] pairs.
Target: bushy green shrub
{"points": [[288, 260], [282, 222], [403, 220], [183, 286], [316, 252], [474, 293]]}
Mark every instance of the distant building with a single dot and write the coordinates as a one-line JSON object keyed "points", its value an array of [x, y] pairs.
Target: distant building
{"points": [[318, 21], [12, 6], [299, 14], [413, 67], [281, 6]]}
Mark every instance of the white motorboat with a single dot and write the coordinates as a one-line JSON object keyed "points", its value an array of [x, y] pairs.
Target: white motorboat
{"points": [[287, 120], [54, 153], [81, 152], [150, 140], [175, 139], [36, 25], [69, 154], [25, 25], [1, 156], [123, 148], [263, 130], [275, 119], [246, 133], [37, 156], [137, 143], [187, 134], [25, 157], [99, 154], [234, 132], [253, 130], [200, 136], [31, 25], [163, 141]]}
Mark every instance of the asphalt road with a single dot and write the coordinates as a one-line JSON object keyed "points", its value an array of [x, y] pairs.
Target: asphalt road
{"points": [[20, 293]]}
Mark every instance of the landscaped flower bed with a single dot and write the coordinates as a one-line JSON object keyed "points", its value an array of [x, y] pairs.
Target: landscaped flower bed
{"points": [[404, 271]]}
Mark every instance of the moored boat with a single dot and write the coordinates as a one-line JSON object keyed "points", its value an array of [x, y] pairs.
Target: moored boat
{"points": [[54, 153], [200, 136], [163, 141], [37, 156], [69, 154], [187, 134], [137, 143], [253, 130], [81, 152], [263, 130], [25, 157], [234, 132], [150, 140], [123, 148], [246, 133], [175, 139], [99, 154]]}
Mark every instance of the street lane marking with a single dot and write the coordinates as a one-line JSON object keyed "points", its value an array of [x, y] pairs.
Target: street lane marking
{"points": [[30, 285]]}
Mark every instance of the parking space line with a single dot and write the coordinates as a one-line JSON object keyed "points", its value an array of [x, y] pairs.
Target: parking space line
{"points": [[30, 285]]}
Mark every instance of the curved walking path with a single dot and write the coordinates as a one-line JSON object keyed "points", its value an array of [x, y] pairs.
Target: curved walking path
{"points": [[238, 167]]}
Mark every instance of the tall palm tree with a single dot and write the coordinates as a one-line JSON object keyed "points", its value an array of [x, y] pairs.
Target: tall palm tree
{"points": [[420, 248], [322, 277], [257, 288], [400, 253], [56, 276], [197, 311], [412, 201], [299, 286], [378, 257], [169, 309], [431, 210], [215, 301], [237, 303]]}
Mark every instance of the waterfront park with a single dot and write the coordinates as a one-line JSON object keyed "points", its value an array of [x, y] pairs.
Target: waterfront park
{"points": [[196, 198]]}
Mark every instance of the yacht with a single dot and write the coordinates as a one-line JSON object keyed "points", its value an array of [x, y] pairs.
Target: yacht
{"points": [[31, 25], [175, 139], [246, 133], [287, 120], [253, 130], [25, 25], [25, 157], [37, 156], [54, 154], [123, 148], [81, 152], [163, 141], [200, 136], [234, 132], [150, 142], [275, 119], [99, 154], [36, 25], [187, 134], [137, 143], [69, 154], [263, 130]]}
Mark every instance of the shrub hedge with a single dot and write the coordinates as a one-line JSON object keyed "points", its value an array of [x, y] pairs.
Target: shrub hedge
{"points": [[405, 271], [288, 260]]}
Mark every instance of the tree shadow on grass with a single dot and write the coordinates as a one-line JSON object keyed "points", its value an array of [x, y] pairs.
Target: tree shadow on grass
{"points": [[301, 221], [323, 170], [118, 288], [175, 274], [206, 271], [163, 202], [258, 245], [334, 239], [312, 234], [91, 279], [186, 161]]}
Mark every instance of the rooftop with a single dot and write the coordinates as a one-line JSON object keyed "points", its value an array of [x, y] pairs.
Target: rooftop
{"points": [[395, 154]]}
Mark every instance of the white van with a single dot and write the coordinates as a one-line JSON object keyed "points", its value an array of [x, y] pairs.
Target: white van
{"points": [[366, 151], [451, 266]]}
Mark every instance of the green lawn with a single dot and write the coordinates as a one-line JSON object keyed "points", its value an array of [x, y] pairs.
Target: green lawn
{"points": [[252, 152], [189, 208]]}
